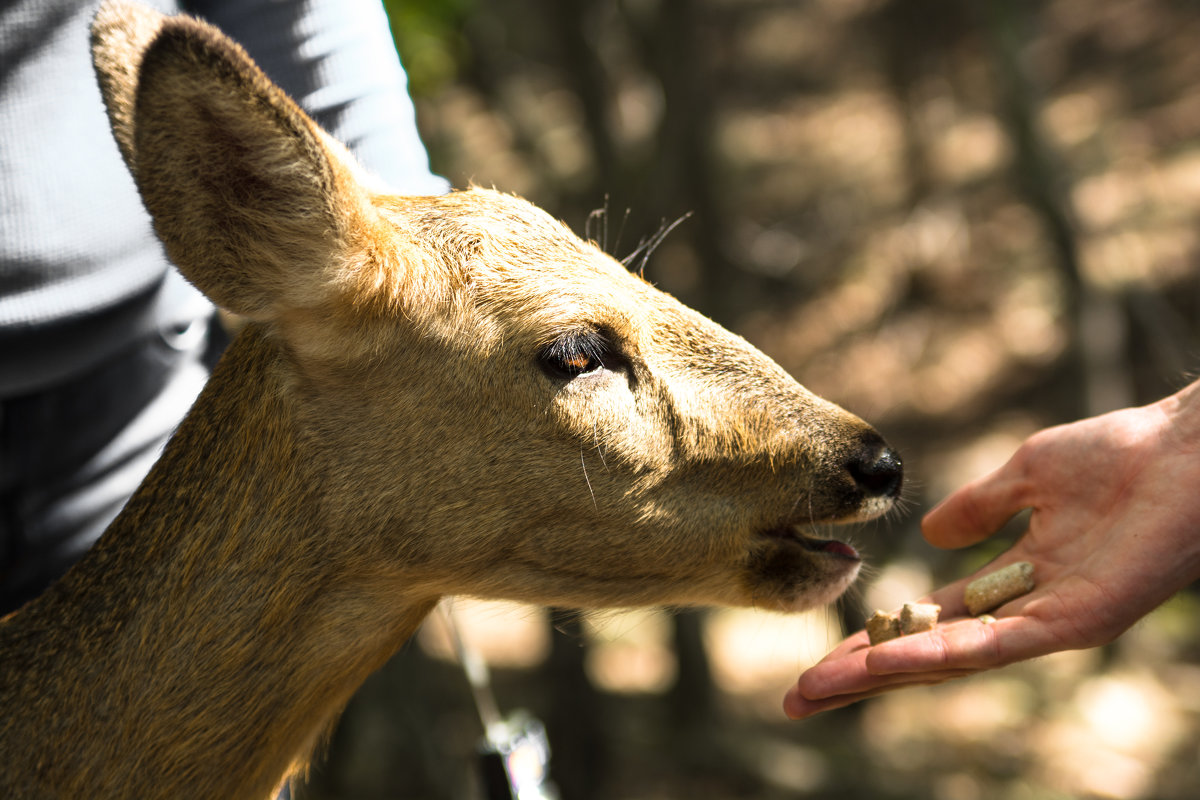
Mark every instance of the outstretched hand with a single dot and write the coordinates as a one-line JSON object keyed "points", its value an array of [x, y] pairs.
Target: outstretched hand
{"points": [[1114, 532]]}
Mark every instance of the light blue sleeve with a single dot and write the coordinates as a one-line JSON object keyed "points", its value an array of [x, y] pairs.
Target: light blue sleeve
{"points": [[337, 59]]}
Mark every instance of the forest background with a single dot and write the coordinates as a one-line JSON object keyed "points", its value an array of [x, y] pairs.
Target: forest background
{"points": [[964, 221]]}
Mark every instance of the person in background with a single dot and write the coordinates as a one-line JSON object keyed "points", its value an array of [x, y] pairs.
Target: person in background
{"points": [[102, 342], [1114, 532]]}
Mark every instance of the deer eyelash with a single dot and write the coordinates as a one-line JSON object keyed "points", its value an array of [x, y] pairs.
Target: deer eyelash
{"points": [[575, 354]]}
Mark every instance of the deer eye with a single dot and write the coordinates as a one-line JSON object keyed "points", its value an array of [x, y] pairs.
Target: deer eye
{"points": [[574, 354]]}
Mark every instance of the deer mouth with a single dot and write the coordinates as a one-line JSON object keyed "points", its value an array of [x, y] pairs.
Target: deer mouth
{"points": [[792, 569], [814, 544]]}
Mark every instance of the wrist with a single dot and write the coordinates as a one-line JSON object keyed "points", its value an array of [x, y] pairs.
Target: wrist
{"points": [[1182, 419], [1182, 410]]}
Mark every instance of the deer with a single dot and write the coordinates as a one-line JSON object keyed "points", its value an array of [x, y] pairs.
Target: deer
{"points": [[431, 396]]}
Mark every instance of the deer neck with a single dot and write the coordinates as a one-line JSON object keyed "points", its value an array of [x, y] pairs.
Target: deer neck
{"points": [[206, 642]]}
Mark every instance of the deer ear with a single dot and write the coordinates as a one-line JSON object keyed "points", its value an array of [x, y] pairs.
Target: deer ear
{"points": [[256, 205]]}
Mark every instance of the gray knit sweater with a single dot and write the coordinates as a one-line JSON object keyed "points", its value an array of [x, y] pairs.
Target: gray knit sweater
{"points": [[81, 273]]}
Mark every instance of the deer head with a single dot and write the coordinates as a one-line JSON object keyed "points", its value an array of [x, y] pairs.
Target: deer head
{"points": [[498, 406]]}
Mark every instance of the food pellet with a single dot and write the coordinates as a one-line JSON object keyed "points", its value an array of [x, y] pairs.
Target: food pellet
{"points": [[997, 588], [882, 626], [918, 617]]}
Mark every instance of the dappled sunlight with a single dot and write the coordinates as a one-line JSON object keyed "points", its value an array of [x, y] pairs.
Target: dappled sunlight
{"points": [[630, 651], [753, 652], [970, 149], [506, 634], [1115, 732], [898, 582], [911, 730], [952, 467]]}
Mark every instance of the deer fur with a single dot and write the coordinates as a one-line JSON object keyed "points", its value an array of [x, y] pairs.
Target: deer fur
{"points": [[434, 396]]}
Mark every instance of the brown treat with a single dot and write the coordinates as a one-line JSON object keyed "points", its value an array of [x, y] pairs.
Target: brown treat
{"points": [[918, 617], [997, 588], [882, 626]]}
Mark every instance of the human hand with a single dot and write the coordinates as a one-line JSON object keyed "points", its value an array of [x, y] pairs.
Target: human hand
{"points": [[1114, 532]]}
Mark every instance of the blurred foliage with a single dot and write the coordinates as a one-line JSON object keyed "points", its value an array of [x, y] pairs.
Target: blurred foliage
{"points": [[963, 221], [429, 38]]}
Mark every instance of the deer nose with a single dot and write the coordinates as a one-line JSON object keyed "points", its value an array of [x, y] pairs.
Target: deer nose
{"points": [[876, 468]]}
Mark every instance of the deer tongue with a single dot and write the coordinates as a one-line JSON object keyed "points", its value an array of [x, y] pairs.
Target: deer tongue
{"points": [[831, 546]]}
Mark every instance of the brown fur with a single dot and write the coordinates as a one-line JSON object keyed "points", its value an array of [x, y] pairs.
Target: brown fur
{"points": [[380, 435]]}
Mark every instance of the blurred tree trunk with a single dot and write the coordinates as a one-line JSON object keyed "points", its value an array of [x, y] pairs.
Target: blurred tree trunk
{"points": [[585, 72], [1096, 320], [575, 719], [684, 171], [692, 698]]}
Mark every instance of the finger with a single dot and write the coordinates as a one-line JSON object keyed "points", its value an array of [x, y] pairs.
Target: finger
{"points": [[977, 510], [956, 645], [797, 706], [845, 667], [843, 671], [967, 644], [850, 670]]}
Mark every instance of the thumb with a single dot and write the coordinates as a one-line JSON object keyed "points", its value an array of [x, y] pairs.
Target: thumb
{"points": [[977, 510]]}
